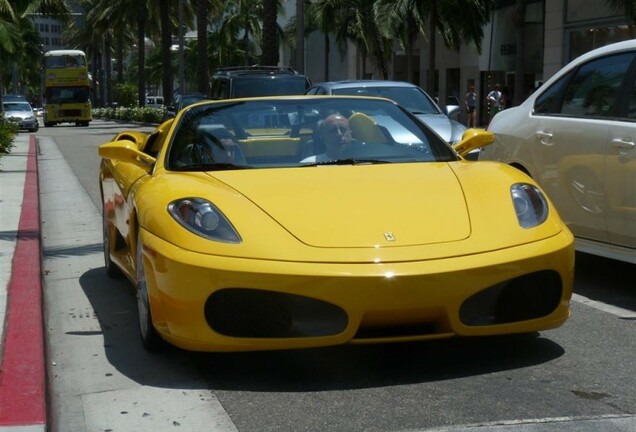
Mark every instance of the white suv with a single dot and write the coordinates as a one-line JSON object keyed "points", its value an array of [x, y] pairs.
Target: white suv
{"points": [[576, 136]]}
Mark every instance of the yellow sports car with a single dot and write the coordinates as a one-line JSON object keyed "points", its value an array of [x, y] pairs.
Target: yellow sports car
{"points": [[306, 221]]}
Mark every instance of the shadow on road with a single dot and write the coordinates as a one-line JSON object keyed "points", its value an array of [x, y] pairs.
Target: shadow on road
{"points": [[608, 281], [334, 368]]}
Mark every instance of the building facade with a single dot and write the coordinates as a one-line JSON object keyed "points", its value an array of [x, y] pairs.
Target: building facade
{"points": [[554, 32]]}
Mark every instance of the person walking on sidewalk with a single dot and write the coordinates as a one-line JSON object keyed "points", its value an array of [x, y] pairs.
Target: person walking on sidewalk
{"points": [[470, 102], [495, 100]]}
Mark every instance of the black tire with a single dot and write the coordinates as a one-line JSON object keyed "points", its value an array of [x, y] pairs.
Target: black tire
{"points": [[111, 268], [149, 337]]}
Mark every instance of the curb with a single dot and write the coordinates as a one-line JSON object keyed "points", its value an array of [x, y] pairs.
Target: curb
{"points": [[22, 373]]}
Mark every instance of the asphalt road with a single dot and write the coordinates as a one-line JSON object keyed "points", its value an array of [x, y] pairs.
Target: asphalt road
{"points": [[580, 377]]}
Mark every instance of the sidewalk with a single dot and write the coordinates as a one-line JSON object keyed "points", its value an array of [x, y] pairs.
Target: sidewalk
{"points": [[22, 366]]}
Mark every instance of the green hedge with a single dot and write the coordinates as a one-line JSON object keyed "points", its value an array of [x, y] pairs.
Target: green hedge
{"points": [[145, 115], [7, 136]]}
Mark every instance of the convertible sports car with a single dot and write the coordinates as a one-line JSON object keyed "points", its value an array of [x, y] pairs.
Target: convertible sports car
{"points": [[238, 237]]}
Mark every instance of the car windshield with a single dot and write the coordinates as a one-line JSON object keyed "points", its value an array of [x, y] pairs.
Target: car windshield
{"points": [[55, 95], [300, 132], [17, 106], [269, 85], [411, 98]]}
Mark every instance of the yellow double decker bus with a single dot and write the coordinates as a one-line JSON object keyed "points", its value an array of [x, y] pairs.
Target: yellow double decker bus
{"points": [[66, 88]]}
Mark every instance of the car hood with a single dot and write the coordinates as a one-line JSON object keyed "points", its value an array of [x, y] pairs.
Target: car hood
{"points": [[328, 207], [349, 213], [446, 128], [18, 114]]}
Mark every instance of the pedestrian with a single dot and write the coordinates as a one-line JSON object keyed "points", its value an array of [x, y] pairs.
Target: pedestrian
{"points": [[494, 100], [470, 102]]}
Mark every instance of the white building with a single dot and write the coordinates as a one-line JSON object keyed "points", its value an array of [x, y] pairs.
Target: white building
{"points": [[556, 31]]}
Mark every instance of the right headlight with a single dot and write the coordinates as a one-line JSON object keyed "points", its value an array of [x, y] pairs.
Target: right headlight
{"points": [[530, 204], [203, 218]]}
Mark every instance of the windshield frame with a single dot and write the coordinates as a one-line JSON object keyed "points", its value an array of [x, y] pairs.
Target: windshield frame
{"points": [[285, 122]]}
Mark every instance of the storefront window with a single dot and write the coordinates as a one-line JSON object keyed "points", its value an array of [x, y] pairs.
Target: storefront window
{"points": [[584, 40], [582, 10]]}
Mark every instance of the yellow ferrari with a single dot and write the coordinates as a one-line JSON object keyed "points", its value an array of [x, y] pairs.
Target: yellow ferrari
{"points": [[307, 221]]}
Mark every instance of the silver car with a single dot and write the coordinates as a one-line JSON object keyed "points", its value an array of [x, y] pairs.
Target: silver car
{"points": [[21, 113], [576, 136], [408, 95]]}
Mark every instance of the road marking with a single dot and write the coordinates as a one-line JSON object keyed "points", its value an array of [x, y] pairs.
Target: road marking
{"points": [[614, 310], [575, 424]]}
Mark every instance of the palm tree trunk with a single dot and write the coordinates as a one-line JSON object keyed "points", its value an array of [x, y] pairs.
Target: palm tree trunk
{"points": [[107, 65], [202, 46], [167, 73], [141, 60], [94, 73], [120, 61], [431, 51], [326, 62], [1, 83], [519, 15], [408, 47], [269, 44]]}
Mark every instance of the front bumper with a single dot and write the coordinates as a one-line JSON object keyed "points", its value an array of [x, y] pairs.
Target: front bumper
{"points": [[213, 303]]}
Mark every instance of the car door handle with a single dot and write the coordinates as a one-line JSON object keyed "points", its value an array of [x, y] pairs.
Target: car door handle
{"points": [[544, 136], [623, 144]]}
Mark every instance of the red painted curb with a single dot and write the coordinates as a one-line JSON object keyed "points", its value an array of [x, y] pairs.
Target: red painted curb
{"points": [[22, 373]]}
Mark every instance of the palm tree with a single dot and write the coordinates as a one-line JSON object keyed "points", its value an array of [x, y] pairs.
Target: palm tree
{"points": [[400, 22], [322, 16], [242, 18], [353, 20], [168, 17], [203, 7], [457, 21], [269, 43], [88, 38], [9, 35], [167, 27], [15, 25], [518, 20]]}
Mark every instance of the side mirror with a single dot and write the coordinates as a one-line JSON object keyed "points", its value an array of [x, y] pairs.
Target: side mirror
{"points": [[126, 151], [473, 139], [453, 111]]}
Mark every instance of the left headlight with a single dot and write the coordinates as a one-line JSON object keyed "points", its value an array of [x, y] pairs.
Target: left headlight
{"points": [[203, 218], [530, 204]]}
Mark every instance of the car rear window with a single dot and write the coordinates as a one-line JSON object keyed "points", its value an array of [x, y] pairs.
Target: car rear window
{"points": [[273, 85]]}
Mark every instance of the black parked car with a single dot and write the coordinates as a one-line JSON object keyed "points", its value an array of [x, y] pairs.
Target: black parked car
{"points": [[252, 81], [180, 102]]}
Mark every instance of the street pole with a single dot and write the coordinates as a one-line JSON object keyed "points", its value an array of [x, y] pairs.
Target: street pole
{"points": [[181, 50], [300, 36]]}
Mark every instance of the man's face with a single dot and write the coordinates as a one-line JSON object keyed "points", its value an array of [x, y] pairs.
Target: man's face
{"points": [[336, 135]]}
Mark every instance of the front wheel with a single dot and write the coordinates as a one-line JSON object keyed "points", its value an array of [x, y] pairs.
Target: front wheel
{"points": [[111, 269], [149, 336]]}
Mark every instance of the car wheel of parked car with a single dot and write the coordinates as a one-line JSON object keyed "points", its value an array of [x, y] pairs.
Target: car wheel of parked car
{"points": [[149, 336], [111, 269]]}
